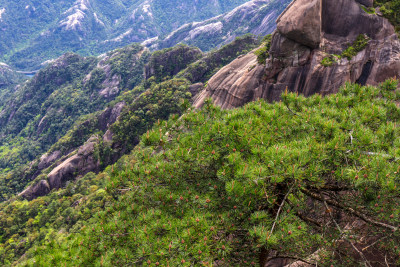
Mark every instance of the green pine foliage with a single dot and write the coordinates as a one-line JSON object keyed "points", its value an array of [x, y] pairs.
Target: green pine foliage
{"points": [[351, 51], [390, 9], [228, 187], [263, 53]]}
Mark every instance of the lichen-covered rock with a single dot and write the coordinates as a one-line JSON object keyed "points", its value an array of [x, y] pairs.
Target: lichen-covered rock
{"points": [[295, 67]]}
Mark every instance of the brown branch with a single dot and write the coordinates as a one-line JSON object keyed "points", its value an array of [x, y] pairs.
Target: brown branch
{"points": [[366, 263], [335, 188], [307, 219], [279, 210], [303, 217], [349, 210]]}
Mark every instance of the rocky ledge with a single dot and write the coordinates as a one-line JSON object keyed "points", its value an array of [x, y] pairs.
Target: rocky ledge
{"points": [[310, 54]]}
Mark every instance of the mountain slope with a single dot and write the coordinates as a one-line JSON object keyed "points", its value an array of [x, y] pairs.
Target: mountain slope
{"points": [[8, 81], [43, 109], [256, 17], [256, 185], [35, 31], [58, 119]]}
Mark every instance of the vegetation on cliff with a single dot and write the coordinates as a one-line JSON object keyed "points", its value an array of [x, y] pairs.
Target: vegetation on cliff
{"points": [[391, 10], [312, 179], [43, 109]]}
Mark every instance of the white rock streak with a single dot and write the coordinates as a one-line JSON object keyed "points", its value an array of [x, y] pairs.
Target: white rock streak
{"points": [[2, 10], [76, 15], [209, 28]]}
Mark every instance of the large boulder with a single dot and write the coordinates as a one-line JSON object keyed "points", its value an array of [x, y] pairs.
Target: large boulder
{"points": [[81, 163], [42, 188], [346, 19], [295, 66], [229, 87], [302, 22]]}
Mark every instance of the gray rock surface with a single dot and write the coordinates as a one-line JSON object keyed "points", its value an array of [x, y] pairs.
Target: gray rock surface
{"points": [[40, 189], [47, 159], [254, 16], [367, 3], [81, 163], [298, 68], [302, 22]]}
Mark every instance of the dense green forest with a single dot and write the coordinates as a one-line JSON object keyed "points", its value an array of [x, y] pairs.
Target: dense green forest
{"points": [[231, 187], [43, 109], [39, 30], [66, 108]]}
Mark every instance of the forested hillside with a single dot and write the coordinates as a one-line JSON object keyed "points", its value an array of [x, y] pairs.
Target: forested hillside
{"points": [[55, 113], [39, 30], [307, 179], [280, 150]]}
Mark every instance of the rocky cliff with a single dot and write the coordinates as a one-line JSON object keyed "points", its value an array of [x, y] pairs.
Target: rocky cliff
{"points": [[318, 46]]}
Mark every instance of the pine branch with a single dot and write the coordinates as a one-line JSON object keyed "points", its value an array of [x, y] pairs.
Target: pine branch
{"points": [[349, 210], [366, 263], [279, 210]]}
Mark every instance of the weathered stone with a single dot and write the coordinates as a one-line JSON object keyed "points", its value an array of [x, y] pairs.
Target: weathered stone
{"points": [[346, 18], [297, 68], [194, 89], [367, 3], [40, 189], [80, 163], [229, 86], [46, 160], [302, 22]]}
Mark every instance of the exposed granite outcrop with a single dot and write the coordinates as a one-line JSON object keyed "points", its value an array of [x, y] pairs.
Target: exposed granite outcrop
{"points": [[63, 166], [81, 163], [77, 163], [296, 65], [302, 22], [47, 159], [42, 188]]}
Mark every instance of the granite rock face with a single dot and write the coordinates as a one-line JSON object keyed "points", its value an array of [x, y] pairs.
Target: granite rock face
{"points": [[82, 162], [69, 166], [302, 22], [367, 3], [42, 188], [294, 64]]}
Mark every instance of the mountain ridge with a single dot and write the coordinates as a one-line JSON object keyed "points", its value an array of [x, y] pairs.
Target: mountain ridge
{"points": [[84, 26]]}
